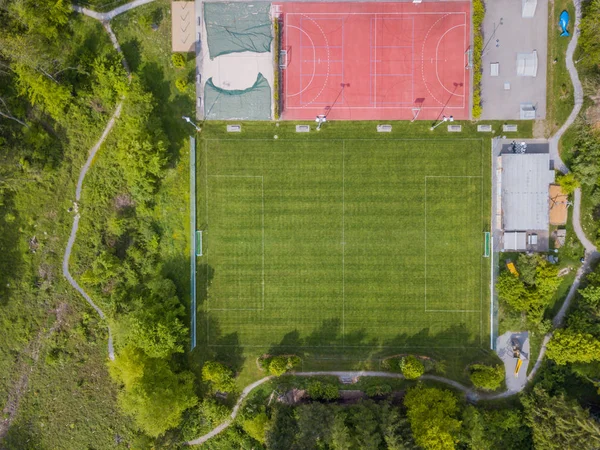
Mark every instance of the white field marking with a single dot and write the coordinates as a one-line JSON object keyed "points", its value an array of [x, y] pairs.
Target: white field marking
{"points": [[207, 228], [423, 57], [343, 241], [378, 14], [481, 292], [380, 107], [375, 65], [327, 46], [314, 64], [346, 346], [437, 59], [353, 139], [208, 308]]}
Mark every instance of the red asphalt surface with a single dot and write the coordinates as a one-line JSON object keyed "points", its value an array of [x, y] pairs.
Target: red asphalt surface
{"points": [[368, 61]]}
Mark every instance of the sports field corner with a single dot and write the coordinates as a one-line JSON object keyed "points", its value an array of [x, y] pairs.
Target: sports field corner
{"points": [[367, 61], [350, 248]]}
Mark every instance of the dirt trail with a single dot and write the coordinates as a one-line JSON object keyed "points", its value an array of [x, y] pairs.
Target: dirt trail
{"points": [[25, 368]]}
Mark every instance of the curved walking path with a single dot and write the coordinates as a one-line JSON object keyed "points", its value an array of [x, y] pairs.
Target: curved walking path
{"points": [[107, 16], [577, 94], [75, 227], [104, 17]]}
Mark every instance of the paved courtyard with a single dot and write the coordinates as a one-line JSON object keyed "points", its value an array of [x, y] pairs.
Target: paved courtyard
{"points": [[507, 33]]}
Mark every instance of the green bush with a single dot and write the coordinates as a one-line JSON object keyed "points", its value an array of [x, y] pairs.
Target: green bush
{"points": [[278, 365], [181, 84], [218, 376], [178, 60], [323, 391], [478, 16], [257, 427], [379, 390], [411, 367], [485, 377]]}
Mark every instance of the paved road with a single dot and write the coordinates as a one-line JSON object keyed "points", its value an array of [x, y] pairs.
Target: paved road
{"points": [[578, 93]]}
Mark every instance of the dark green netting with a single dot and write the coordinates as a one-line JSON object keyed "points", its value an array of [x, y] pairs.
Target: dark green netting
{"points": [[238, 27], [253, 103]]}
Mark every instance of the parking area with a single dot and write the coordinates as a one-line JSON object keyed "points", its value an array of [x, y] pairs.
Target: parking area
{"points": [[514, 60]]}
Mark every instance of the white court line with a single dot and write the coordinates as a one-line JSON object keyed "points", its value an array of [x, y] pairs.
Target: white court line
{"points": [[437, 47], [480, 282], [375, 64], [314, 61], [377, 13], [327, 45], [381, 107]]}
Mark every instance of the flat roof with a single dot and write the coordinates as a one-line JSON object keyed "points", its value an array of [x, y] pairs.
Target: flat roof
{"points": [[525, 183], [182, 27]]}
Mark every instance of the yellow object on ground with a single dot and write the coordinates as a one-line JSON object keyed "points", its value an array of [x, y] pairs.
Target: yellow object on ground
{"points": [[518, 367], [512, 268]]}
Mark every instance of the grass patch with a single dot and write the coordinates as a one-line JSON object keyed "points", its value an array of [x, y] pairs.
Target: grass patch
{"points": [[342, 250], [560, 100]]}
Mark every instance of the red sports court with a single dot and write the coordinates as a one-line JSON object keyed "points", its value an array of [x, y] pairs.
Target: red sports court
{"points": [[366, 61]]}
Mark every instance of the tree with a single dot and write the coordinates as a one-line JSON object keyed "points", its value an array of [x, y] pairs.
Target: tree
{"points": [[315, 421], [569, 346], [152, 393], [411, 367], [278, 365], [485, 377], [568, 182], [219, 376], [432, 415], [512, 291], [257, 427], [558, 423], [340, 434], [590, 34], [41, 90], [323, 391]]}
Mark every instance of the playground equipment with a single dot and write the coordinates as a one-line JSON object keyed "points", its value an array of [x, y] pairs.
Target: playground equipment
{"points": [[516, 348], [512, 268], [563, 22]]}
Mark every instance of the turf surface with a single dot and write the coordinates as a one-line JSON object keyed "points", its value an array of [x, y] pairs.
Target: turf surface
{"points": [[344, 243]]}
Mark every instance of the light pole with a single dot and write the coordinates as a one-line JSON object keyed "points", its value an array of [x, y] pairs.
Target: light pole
{"points": [[188, 120], [322, 118], [444, 119]]}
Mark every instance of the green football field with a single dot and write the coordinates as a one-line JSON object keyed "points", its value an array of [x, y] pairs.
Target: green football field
{"points": [[344, 243]]}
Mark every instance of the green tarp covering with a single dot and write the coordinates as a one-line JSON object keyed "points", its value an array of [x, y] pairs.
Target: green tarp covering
{"points": [[238, 27], [250, 104]]}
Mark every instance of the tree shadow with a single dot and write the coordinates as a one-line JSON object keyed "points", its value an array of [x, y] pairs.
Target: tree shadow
{"points": [[133, 53], [229, 351], [169, 110]]}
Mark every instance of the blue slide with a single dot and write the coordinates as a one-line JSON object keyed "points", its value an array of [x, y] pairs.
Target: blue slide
{"points": [[563, 22]]}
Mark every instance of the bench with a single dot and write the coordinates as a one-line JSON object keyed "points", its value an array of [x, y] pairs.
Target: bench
{"points": [[302, 128], [234, 128], [384, 128]]}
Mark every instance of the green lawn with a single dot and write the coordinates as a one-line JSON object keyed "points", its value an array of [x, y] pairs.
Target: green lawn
{"points": [[343, 246], [559, 87]]}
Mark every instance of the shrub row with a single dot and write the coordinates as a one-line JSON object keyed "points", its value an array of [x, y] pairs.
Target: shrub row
{"points": [[478, 15]]}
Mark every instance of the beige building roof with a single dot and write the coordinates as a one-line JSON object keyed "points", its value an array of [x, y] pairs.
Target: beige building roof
{"points": [[558, 205], [182, 29]]}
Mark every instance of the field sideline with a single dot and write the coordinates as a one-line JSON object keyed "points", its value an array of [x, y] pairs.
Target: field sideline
{"points": [[343, 243]]}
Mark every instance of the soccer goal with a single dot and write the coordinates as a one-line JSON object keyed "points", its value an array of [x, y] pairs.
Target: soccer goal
{"points": [[283, 59]]}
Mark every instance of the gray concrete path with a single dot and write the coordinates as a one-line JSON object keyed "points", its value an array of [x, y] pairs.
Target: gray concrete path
{"points": [[88, 164], [577, 93], [107, 16], [75, 227]]}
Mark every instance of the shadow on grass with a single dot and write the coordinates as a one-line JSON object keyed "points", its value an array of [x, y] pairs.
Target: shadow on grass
{"points": [[170, 109]]}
